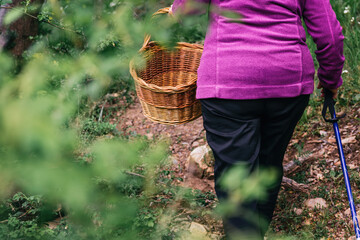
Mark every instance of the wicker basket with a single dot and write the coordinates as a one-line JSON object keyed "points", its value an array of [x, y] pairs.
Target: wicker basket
{"points": [[166, 86]]}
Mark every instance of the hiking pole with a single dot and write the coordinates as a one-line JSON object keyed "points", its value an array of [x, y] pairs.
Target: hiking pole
{"points": [[329, 103]]}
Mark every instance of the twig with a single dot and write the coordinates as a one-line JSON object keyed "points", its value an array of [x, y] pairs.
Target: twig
{"points": [[17, 217], [48, 22], [135, 174], [102, 110], [287, 182], [296, 164]]}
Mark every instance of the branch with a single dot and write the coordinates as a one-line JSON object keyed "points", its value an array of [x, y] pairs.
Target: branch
{"points": [[48, 22], [22, 215], [135, 174], [287, 182], [296, 164]]}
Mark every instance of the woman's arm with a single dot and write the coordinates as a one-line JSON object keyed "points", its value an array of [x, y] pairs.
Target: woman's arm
{"points": [[189, 7], [326, 31]]}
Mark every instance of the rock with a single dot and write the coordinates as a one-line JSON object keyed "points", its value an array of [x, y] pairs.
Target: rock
{"points": [[351, 223], [195, 144], [200, 162], [307, 222], [349, 140], [298, 211], [173, 160], [348, 212], [197, 228], [316, 203], [320, 176], [323, 133], [215, 237], [150, 136]]}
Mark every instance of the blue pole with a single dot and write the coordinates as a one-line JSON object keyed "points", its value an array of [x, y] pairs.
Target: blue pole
{"points": [[346, 178]]}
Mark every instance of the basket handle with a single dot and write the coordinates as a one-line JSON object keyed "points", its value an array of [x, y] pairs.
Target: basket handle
{"points": [[148, 36]]}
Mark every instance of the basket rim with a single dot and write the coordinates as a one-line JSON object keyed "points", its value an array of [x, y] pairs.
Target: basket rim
{"points": [[179, 45]]}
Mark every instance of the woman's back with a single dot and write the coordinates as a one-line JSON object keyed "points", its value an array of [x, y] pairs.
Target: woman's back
{"points": [[264, 54]]}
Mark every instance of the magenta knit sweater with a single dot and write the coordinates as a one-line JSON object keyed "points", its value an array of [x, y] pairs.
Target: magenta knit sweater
{"points": [[265, 55]]}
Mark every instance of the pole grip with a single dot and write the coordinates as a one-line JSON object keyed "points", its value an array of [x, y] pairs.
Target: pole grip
{"points": [[329, 103]]}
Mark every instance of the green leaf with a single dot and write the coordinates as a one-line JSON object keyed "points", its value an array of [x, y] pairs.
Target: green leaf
{"points": [[3, 2], [13, 15]]}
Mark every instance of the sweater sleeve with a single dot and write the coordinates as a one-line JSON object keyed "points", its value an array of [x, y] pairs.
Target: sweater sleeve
{"points": [[325, 29], [189, 7]]}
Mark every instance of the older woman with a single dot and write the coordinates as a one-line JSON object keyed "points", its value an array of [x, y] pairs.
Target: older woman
{"points": [[254, 81]]}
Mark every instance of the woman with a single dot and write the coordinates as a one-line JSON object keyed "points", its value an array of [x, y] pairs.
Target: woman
{"points": [[254, 81]]}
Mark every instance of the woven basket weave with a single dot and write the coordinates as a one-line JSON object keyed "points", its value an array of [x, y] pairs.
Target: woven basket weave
{"points": [[166, 87]]}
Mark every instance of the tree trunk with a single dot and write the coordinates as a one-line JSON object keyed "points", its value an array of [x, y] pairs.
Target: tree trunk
{"points": [[16, 37]]}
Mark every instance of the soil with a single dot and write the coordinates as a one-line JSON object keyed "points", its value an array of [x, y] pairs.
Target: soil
{"points": [[183, 138]]}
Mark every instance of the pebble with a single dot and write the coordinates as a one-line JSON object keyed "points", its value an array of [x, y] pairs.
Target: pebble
{"points": [[195, 144], [323, 133], [316, 203], [150, 136], [298, 211], [197, 228]]}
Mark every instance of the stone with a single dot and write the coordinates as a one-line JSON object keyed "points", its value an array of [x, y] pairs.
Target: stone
{"points": [[200, 162], [351, 223], [173, 160], [215, 237], [349, 140], [298, 211], [323, 133], [150, 136], [197, 228], [195, 144], [307, 222], [318, 203]]}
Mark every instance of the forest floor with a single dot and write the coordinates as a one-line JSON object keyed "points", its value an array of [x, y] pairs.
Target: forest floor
{"points": [[321, 173]]}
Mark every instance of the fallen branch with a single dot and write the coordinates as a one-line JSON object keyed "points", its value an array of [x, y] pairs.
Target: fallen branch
{"points": [[135, 174], [287, 182], [22, 215], [296, 164]]}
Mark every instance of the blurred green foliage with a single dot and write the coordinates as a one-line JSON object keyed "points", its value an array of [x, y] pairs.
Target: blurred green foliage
{"points": [[105, 186]]}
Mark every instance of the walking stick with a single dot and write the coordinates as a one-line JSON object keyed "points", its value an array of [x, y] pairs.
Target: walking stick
{"points": [[329, 104]]}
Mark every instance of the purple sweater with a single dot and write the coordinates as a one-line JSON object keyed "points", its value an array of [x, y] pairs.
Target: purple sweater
{"points": [[265, 55]]}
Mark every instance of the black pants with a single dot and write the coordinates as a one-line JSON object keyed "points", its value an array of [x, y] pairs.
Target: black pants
{"points": [[254, 134]]}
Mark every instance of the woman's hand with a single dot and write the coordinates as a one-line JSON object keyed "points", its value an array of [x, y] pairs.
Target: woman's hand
{"points": [[170, 11], [334, 91]]}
